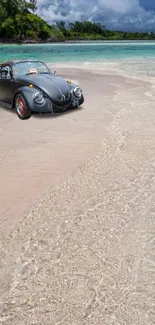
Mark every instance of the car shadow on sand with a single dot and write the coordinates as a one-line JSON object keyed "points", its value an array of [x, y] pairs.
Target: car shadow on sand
{"points": [[55, 115], [44, 116]]}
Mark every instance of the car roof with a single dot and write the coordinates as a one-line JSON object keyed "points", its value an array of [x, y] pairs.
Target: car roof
{"points": [[13, 62]]}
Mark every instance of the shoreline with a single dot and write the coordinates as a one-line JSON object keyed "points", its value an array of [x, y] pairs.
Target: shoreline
{"points": [[121, 67]]}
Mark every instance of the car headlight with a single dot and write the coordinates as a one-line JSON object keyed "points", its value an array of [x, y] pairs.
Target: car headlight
{"points": [[39, 97], [77, 92]]}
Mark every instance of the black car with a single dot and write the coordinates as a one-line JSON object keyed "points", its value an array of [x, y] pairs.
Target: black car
{"points": [[29, 86]]}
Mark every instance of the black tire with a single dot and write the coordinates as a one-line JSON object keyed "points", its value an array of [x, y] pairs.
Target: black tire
{"points": [[81, 100], [22, 111]]}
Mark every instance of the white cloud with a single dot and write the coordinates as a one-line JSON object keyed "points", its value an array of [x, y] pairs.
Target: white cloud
{"points": [[119, 6], [121, 14]]}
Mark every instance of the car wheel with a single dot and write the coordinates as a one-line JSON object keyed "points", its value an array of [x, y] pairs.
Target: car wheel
{"points": [[22, 110]]}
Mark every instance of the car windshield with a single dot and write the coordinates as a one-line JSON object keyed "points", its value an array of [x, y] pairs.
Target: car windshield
{"points": [[30, 67]]}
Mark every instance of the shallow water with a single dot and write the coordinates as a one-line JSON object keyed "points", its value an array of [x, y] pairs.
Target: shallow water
{"points": [[82, 51]]}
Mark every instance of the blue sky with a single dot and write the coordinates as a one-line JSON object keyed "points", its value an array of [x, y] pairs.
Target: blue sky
{"points": [[134, 15]]}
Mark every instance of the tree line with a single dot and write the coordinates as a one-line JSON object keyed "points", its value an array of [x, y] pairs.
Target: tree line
{"points": [[19, 23]]}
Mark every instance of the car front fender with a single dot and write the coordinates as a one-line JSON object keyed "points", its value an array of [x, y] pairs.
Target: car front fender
{"points": [[27, 93], [72, 86]]}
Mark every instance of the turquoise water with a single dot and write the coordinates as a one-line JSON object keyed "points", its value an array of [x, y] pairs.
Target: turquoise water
{"points": [[82, 52]]}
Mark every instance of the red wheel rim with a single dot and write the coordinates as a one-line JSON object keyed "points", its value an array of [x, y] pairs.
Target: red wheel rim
{"points": [[20, 106]]}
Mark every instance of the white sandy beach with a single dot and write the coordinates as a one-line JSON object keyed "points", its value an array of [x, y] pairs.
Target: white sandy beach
{"points": [[77, 206]]}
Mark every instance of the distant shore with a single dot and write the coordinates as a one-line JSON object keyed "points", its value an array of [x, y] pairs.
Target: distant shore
{"points": [[3, 42], [7, 41]]}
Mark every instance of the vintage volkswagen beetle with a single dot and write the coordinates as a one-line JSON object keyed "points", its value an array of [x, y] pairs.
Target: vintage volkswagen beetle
{"points": [[29, 86]]}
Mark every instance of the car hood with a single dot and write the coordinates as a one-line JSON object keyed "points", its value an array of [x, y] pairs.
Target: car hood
{"points": [[54, 86]]}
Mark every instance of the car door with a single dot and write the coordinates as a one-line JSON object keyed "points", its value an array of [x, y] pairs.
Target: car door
{"points": [[6, 84]]}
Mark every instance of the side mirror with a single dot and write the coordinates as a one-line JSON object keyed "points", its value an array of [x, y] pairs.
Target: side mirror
{"points": [[7, 73]]}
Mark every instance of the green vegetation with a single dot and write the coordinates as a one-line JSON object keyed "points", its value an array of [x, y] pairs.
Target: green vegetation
{"points": [[19, 23]]}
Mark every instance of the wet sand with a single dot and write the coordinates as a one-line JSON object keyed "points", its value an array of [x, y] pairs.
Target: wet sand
{"points": [[77, 208]]}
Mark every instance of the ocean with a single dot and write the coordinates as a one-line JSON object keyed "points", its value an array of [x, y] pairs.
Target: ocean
{"points": [[141, 53]]}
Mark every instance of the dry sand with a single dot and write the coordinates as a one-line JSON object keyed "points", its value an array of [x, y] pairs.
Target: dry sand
{"points": [[77, 209]]}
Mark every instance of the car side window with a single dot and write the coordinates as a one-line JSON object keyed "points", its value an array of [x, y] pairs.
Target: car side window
{"points": [[5, 72]]}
